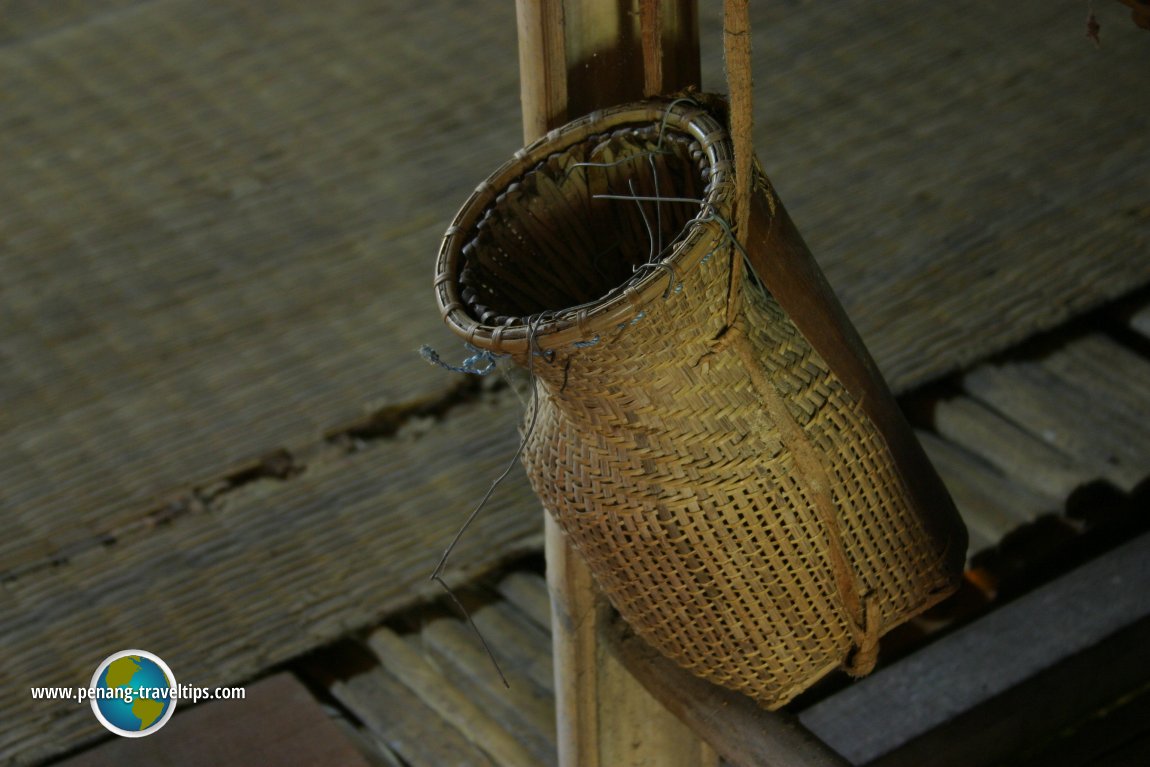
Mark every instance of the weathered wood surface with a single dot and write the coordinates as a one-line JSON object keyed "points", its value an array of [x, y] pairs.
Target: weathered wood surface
{"points": [[431, 696], [406, 725], [218, 222], [1020, 455], [466, 714], [1026, 431], [524, 707], [984, 693], [742, 733], [1087, 402], [277, 722], [1140, 321], [267, 572], [991, 504]]}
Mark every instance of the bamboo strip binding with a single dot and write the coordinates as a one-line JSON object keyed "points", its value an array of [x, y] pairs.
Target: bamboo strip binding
{"points": [[745, 493]]}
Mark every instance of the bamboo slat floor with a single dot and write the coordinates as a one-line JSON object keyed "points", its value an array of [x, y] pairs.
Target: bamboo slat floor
{"points": [[218, 221], [420, 690]]}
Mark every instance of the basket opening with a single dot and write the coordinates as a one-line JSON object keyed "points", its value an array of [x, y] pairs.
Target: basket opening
{"points": [[556, 238]]}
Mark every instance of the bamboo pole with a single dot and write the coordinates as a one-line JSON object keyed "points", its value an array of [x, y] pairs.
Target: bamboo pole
{"points": [[576, 56], [605, 717], [542, 66]]}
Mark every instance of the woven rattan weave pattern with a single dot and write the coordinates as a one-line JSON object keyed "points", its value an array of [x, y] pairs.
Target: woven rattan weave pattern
{"points": [[735, 501]]}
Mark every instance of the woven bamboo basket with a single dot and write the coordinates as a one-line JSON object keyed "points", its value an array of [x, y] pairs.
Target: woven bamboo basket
{"points": [[746, 493]]}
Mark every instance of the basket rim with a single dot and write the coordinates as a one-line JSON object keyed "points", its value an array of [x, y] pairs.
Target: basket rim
{"points": [[625, 302]]}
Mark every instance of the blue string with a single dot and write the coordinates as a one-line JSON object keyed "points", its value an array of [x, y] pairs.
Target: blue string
{"points": [[480, 363], [586, 344]]}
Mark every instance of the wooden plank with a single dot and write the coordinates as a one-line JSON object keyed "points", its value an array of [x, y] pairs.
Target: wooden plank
{"points": [[1140, 321], [528, 592], [517, 642], [1108, 374], [1098, 433], [742, 733], [1059, 421], [377, 753], [404, 723], [1021, 456], [1005, 728], [278, 722], [991, 505], [525, 709], [976, 696], [479, 725]]}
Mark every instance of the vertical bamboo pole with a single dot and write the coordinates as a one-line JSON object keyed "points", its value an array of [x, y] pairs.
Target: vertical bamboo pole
{"points": [[576, 56], [605, 717], [542, 65]]}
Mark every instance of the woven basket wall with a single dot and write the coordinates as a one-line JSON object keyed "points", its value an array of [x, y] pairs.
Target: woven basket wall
{"points": [[748, 497]]}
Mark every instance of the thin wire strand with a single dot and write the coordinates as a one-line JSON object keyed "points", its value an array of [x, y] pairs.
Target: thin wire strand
{"points": [[667, 117], [646, 223], [533, 326], [658, 150], [614, 163], [643, 198], [658, 205]]}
